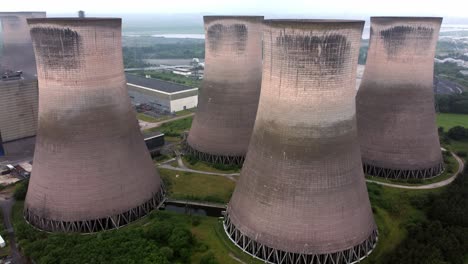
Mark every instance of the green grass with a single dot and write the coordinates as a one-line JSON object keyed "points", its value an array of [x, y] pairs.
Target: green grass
{"points": [[174, 128], [197, 187], [6, 250], [147, 118], [204, 166], [456, 146], [394, 209], [448, 121], [211, 232]]}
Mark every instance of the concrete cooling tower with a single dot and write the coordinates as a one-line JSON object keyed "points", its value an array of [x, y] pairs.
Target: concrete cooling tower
{"points": [[395, 102], [17, 51], [92, 170], [228, 101], [301, 197]]}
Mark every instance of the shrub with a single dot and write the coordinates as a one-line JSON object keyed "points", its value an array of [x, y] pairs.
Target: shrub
{"points": [[20, 190], [458, 133], [462, 153]]}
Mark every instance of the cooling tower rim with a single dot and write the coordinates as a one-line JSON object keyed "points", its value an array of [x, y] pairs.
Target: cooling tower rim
{"points": [[318, 22], [246, 18], [22, 13], [73, 19], [404, 18]]}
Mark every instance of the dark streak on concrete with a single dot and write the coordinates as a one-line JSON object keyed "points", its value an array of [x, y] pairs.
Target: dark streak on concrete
{"points": [[395, 38], [328, 52], [57, 48], [235, 35]]}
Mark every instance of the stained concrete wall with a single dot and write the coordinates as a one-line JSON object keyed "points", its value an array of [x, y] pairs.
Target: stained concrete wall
{"points": [[395, 102], [302, 187], [90, 159], [231, 86], [18, 109]]}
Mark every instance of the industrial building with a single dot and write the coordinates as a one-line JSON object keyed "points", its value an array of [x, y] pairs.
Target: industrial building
{"points": [[395, 102], [92, 170], [18, 94], [165, 96], [17, 52], [223, 124], [301, 197]]}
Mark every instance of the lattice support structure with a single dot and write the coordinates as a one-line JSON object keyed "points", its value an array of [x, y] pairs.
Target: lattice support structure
{"points": [[96, 225], [386, 173], [215, 159], [271, 255]]}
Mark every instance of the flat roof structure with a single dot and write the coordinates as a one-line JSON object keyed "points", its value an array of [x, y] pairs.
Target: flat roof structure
{"points": [[164, 96], [156, 84]]}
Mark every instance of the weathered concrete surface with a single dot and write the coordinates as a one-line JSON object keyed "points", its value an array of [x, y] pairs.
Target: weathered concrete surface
{"points": [[90, 159], [231, 87], [395, 102], [302, 188]]}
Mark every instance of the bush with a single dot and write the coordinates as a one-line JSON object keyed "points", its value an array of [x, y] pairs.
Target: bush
{"points": [[462, 153], [20, 190], [458, 133]]}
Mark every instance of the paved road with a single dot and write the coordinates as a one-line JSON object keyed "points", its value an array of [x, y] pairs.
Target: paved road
{"points": [[147, 125], [461, 167], [6, 203], [435, 185]]}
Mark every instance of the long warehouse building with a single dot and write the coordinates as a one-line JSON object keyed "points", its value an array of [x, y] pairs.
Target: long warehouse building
{"points": [[164, 96]]}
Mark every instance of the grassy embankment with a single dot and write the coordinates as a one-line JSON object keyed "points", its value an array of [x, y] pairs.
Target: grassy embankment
{"points": [[448, 121], [197, 187], [150, 119], [173, 130]]}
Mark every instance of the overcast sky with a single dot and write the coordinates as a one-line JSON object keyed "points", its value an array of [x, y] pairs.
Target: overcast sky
{"points": [[452, 8]]}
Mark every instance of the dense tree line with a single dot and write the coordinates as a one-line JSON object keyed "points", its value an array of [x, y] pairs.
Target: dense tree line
{"points": [[456, 103], [443, 237], [163, 240]]}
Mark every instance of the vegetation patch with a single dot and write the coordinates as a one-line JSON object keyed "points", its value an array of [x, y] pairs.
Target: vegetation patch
{"points": [[174, 128], [195, 164], [197, 187], [450, 120]]}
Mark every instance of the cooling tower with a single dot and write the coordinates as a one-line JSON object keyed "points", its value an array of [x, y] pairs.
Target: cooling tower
{"points": [[301, 197], [395, 102], [228, 101], [92, 170], [17, 53]]}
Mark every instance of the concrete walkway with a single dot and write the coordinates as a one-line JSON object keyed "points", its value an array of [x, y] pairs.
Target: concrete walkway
{"points": [[435, 185]]}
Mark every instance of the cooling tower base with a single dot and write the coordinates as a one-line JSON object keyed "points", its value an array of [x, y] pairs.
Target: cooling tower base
{"points": [[95, 225], [422, 174], [215, 159], [276, 256]]}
